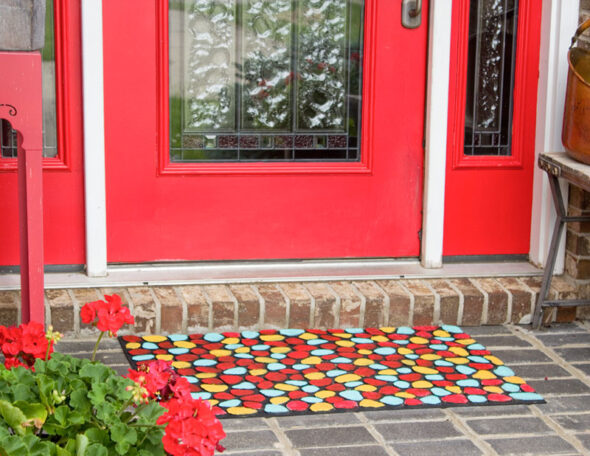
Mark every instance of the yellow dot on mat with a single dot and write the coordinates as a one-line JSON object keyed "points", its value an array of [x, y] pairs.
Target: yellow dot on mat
{"points": [[430, 357], [494, 360], [213, 388], [466, 341], [404, 351], [285, 387], [132, 345], [279, 400], [370, 403], [220, 353], [513, 379], [347, 378], [454, 389], [405, 395], [457, 360], [421, 384], [366, 388], [206, 375], [154, 338], [308, 336], [241, 411], [213, 402], [314, 375], [343, 335], [440, 333], [459, 351], [181, 365], [321, 407], [493, 389], [409, 362], [324, 394], [418, 340], [425, 370], [280, 349], [388, 372], [258, 372], [271, 337], [264, 359], [231, 340], [312, 360], [380, 339], [484, 375], [184, 344], [165, 357], [345, 343], [243, 350], [388, 329], [363, 361], [365, 352]]}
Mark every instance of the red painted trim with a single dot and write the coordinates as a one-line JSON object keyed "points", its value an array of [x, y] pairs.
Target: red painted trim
{"points": [[525, 92], [166, 167], [61, 21]]}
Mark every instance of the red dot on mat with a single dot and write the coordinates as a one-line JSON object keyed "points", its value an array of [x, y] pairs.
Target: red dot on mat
{"points": [[345, 405], [499, 398], [298, 406], [455, 399]]}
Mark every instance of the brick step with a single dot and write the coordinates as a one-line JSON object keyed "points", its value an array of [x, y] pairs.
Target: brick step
{"points": [[202, 308]]}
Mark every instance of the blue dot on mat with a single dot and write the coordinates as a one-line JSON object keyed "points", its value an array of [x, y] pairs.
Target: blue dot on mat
{"points": [[385, 350], [191, 379], [204, 362], [260, 347], [233, 346], [478, 359], [250, 334], [301, 367], [244, 355], [402, 384], [322, 352], [317, 342], [201, 395], [405, 330], [351, 395], [511, 388], [230, 403], [503, 371], [378, 366], [526, 396], [433, 377], [310, 389], [278, 356], [311, 400], [438, 347], [476, 347], [477, 398], [361, 340], [271, 392], [430, 400], [440, 391], [149, 346], [355, 330], [462, 369], [142, 357], [335, 373], [296, 382], [442, 362], [392, 400], [353, 384], [404, 370], [235, 371], [244, 386], [275, 366], [213, 337], [341, 360], [412, 356], [291, 332], [178, 351], [451, 329], [275, 408], [468, 383], [387, 378], [177, 337]]}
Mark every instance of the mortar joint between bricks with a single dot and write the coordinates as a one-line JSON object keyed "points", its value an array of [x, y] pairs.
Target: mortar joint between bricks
{"points": [[363, 307], [509, 305], [533, 298], [486, 301], [209, 309], [262, 310], [48, 321], [461, 308], [337, 305], [158, 306], [236, 304], [76, 310], [412, 302], [287, 304], [312, 306], [559, 430], [184, 324], [436, 311], [386, 303]]}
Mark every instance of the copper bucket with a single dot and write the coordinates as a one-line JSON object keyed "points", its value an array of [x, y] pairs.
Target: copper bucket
{"points": [[576, 118]]}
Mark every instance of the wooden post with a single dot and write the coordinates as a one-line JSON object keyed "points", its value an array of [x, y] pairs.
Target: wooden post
{"points": [[21, 105]]}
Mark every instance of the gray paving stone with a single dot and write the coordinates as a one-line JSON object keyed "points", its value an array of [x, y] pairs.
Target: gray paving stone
{"points": [[521, 425], [576, 423], [526, 356], [330, 437], [492, 410], [86, 345], [556, 340], [560, 386], [565, 404], [437, 448], [584, 368], [369, 450], [585, 439], [105, 357], [248, 440], [322, 420], [406, 415], [560, 328], [502, 341], [530, 371], [486, 330], [574, 354], [532, 445], [254, 453], [240, 424], [412, 431]]}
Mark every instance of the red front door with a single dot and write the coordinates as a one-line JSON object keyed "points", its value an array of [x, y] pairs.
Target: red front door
{"points": [[261, 156]]}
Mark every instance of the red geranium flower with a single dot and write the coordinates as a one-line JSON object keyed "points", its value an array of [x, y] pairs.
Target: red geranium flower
{"points": [[111, 314]]}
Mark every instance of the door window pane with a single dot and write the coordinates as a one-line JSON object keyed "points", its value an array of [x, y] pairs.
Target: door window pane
{"points": [[490, 77], [257, 80]]}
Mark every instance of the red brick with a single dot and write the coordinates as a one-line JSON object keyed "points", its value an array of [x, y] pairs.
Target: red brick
{"points": [[144, 309], [121, 292], [275, 306], [562, 289], [222, 306], [85, 295], [497, 301], [472, 302], [62, 310], [325, 305], [424, 300], [350, 305], [375, 304], [9, 304], [299, 305], [449, 302], [170, 310], [197, 307], [248, 306], [522, 299], [399, 303]]}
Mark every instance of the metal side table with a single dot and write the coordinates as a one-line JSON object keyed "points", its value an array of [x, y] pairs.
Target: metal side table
{"points": [[559, 166]]}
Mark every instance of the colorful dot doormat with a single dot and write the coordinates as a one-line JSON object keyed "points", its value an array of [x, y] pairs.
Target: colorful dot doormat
{"points": [[278, 372]]}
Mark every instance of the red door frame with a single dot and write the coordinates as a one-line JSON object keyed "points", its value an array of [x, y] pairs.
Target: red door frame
{"points": [[488, 199], [63, 180]]}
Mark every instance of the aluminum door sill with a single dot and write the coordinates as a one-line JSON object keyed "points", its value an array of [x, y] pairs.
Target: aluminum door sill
{"points": [[273, 271]]}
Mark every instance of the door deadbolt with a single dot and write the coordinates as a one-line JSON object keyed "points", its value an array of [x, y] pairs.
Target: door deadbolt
{"points": [[411, 13]]}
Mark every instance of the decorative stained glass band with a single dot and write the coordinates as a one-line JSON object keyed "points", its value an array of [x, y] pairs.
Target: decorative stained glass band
{"points": [[265, 80], [490, 77]]}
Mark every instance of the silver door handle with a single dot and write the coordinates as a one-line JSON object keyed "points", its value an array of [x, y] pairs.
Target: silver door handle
{"points": [[411, 13]]}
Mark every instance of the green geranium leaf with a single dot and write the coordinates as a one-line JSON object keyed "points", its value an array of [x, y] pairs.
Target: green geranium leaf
{"points": [[96, 449], [96, 372], [79, 400], [14, 417], [82, 443], [35, 413]]}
